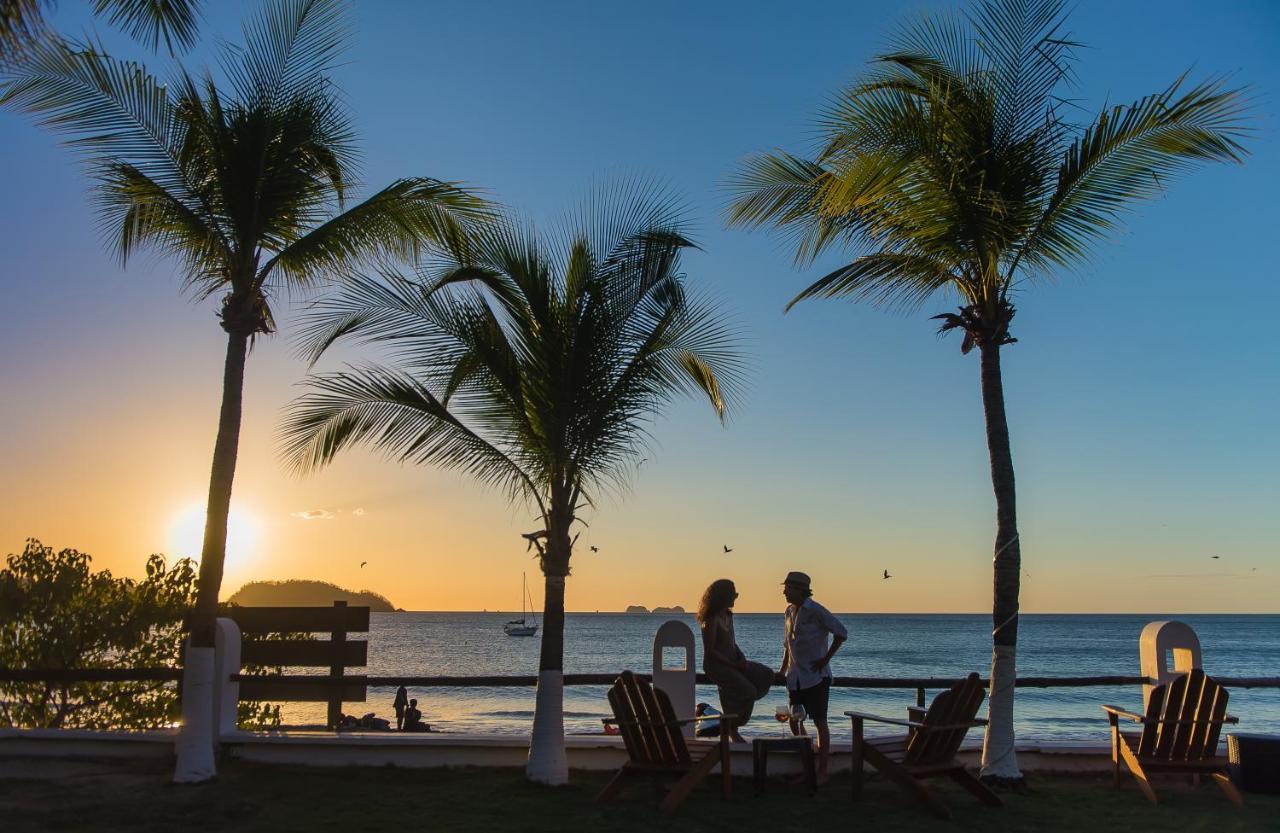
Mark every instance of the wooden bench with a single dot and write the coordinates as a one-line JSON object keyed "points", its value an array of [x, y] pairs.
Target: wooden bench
{"points": [[337, 653], [928, 749], [1180, 733], [656, 745]]}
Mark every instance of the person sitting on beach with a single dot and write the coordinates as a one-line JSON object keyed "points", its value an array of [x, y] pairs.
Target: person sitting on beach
{"points": [[413, 719], [740, 682], [806, 658], [401, 701]]}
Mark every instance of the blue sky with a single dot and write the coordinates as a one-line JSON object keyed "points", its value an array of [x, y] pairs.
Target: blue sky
{"points": [[1142, 394]]}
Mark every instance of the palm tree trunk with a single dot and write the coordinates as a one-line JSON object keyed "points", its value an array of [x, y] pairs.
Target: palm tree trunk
{"points": [[999, 760], [196, 739], [548, 763]]}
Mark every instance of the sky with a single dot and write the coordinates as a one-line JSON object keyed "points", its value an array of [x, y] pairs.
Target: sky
{"points": [[1142, 393]]}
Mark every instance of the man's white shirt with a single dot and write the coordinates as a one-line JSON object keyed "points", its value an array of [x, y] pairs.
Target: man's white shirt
{"points": [[807, 627]]}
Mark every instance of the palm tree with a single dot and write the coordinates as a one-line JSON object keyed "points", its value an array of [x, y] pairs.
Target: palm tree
{"points": [[246, 189], [533, 365], [952, 169], [175, 22]]}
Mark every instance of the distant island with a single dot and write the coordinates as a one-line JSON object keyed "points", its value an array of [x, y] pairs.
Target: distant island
{"points": [[304, 593], [665, 611]]}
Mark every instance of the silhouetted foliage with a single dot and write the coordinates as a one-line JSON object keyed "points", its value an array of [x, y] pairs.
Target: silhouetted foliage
{"points": [[56, 612]]}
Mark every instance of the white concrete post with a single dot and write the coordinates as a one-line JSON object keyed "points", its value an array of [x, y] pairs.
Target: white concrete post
{"points": [[1158, 640], [678, 681], [226, 691]]}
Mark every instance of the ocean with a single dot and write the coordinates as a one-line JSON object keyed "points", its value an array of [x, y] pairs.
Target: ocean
{"points": [[880, 645]]}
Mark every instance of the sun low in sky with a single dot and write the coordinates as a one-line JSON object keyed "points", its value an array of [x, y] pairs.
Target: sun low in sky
{"points": [[184, 538]]}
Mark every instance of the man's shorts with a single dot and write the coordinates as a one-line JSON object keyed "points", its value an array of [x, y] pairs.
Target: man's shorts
{"points": [[814, 699]]}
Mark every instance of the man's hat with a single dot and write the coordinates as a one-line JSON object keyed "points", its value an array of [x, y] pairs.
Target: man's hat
{"points": [[798, 579]]}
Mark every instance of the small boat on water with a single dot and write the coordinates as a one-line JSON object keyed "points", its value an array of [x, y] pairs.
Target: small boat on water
{"points": [[521, 627]]}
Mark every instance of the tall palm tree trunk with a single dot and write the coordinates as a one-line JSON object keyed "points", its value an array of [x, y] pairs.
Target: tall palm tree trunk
{"points": [[548, 763], [196, 739], [999, 760]]}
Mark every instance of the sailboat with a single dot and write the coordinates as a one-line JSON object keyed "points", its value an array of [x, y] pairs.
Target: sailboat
{"points": [[519, 627]]}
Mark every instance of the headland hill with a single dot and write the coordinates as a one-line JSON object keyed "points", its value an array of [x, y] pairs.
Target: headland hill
{"points": [[307, 593]]}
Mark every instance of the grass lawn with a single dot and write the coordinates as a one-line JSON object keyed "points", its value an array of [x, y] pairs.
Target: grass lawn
{"points": [[44, 795]]}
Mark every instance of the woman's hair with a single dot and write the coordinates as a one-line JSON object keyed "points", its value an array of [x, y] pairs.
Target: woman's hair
{"points": [[716, 600]]}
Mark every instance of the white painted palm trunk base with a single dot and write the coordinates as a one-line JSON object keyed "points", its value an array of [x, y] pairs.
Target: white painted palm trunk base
{"points": [[548, 763], [194, 747], [999, 760]]}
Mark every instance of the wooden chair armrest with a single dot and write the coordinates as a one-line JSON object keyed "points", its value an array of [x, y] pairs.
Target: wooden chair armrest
{"points": [[1119, 712], [613, 721], [891, 720]]}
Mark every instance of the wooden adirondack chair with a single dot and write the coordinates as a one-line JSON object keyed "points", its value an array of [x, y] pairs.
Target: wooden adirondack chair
{"points": [[928, 749], [1179, 734], [655, 744]]}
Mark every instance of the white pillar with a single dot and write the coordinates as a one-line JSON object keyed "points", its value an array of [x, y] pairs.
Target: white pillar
{"points": [[226, 692], [1158, 640], [548, 763], [678, 681], [194, 746]]}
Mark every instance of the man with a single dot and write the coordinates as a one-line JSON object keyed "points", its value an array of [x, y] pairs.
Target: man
{"points": [[806, 659]]}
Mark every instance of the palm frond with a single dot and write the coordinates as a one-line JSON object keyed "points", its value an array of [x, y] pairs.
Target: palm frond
{"points": [[883, 278], [395, 222], [105, 107], [1128, 155], [290, 46], [176, 22], [395, 414]]}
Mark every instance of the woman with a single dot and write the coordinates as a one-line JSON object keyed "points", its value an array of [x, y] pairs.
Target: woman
{"points": [[741, 682]]}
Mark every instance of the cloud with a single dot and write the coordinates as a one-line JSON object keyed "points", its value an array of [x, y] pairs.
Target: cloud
{"points": [[313, 515]]}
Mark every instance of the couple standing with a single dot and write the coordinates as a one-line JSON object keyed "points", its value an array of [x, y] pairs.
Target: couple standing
{"points": [[806, 657]]}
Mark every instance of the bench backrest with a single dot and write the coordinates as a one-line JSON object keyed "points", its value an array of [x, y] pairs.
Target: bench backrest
{"points": [[336, 653], [647, 722], [956, 706], [1184, 719]]}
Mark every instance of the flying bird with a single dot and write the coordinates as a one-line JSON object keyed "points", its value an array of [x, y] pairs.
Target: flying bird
{"points": [[595, 548], [643, 460], [362, 563], [1215, 556], [727, 549], [886, 574]]}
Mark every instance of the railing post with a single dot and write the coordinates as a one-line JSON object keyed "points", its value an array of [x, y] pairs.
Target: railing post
{"points": [[226, 691], [336, 667]]}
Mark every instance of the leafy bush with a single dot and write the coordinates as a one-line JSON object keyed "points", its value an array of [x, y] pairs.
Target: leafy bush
{"points": [[57, 613]]}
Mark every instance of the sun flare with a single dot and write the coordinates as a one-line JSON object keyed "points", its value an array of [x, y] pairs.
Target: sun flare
{"points": [[185, 537]]}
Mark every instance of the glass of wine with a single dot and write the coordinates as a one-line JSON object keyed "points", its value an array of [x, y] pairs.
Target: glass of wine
{"points": [[782, 713]]}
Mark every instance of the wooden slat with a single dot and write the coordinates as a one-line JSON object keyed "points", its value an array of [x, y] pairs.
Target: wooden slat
{"points": [[662, 733], [1178, 706], [667, 714], [1217, 715], [255, 620], [303, 653], [268, 689], [627, 724], [1151, 728], [644, 725]]}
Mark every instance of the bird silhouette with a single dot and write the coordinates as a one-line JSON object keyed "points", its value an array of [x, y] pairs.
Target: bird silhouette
{"points": [[727, 549], [362, 563], [643, 460], [595, 548], [886, 574], [1215, 556]]}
